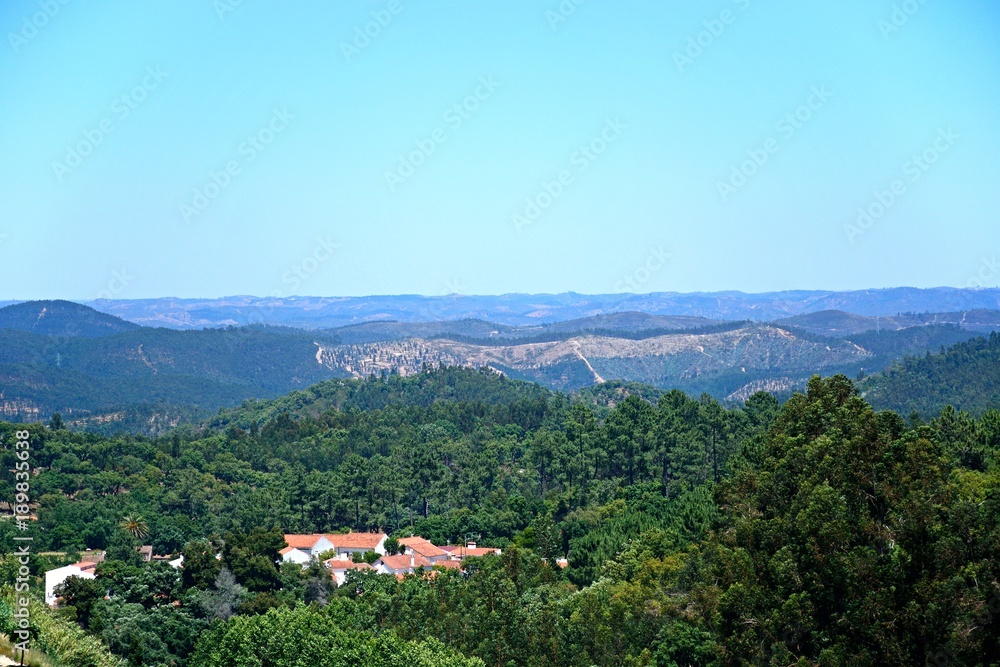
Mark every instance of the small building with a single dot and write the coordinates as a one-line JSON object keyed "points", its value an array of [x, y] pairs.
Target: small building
{"points": [[303, 547], [346, 544], [83, 569], [460, 552], [400, 565], [339, 567], [293, 555], [422, 547]]}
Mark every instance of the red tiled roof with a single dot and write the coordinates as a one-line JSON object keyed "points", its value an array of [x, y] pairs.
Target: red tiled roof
{"points": [[286, 550], [356, 540], [338, 564], [423, 547], [466, 552], [404, 562], [449, 564], [302, 541], [85, 565]]}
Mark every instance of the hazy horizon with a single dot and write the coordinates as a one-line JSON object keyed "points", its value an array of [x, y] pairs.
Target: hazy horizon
{"points": [[9, 299]]}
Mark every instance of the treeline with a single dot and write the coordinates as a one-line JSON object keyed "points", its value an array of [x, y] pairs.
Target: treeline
{"points": [[817, 533], [966, 376], [404, 460]]}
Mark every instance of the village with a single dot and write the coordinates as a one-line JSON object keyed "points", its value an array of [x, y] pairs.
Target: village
{"points": [[338, 552]]}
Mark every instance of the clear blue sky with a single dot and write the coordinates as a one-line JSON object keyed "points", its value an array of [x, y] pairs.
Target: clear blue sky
{"points": [[162, 94]]}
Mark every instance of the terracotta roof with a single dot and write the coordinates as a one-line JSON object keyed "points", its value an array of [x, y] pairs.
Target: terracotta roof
{"points": [[85, 565], [449, 547], [356, 540], [302, 541], [404, 562], [286, 550], [338, 564], [423, 547], [449, 564], [466, 552]]}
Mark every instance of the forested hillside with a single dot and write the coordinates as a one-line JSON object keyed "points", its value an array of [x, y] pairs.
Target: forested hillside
{"points": [[818, 533], [106, 375], [966, 376], [113, 379], [61, 318]]}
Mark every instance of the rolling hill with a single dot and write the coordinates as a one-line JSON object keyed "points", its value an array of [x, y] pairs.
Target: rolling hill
{"points": [[102, 373], [61, 318], [839, 324], [966, 376]]}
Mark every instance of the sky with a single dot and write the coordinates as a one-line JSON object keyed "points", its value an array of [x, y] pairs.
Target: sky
{"points": [[202, 148]]}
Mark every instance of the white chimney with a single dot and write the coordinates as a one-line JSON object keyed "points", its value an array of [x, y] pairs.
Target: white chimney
{"points": [[412, 561]]}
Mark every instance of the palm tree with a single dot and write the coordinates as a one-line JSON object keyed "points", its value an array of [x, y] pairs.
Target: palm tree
{"points": [[134, 525]]}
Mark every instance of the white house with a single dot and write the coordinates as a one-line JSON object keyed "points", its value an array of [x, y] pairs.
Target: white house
{"points": [[293, 555], [419, 546], [400, 565], [358, 543], [303, 547], [339, 567], [83, 569]]}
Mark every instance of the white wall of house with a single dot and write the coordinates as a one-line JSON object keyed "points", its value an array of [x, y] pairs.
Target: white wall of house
{"points": [[55, 577], [347, 551], [409, 551], [382, 568], [323, 544], [339, 575], [296, 556]]}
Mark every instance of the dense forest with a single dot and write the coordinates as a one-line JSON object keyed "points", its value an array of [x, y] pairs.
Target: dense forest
{"points": [[965, 376], [819, 532]]}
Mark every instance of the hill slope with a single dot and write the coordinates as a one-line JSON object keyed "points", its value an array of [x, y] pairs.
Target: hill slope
{"points": [[966, 376], [840, 324], [62, 318], [94, 378]]}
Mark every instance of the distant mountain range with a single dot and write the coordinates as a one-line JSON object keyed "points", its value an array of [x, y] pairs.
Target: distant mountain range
{"points": [[534, 309], [102, 372]]}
